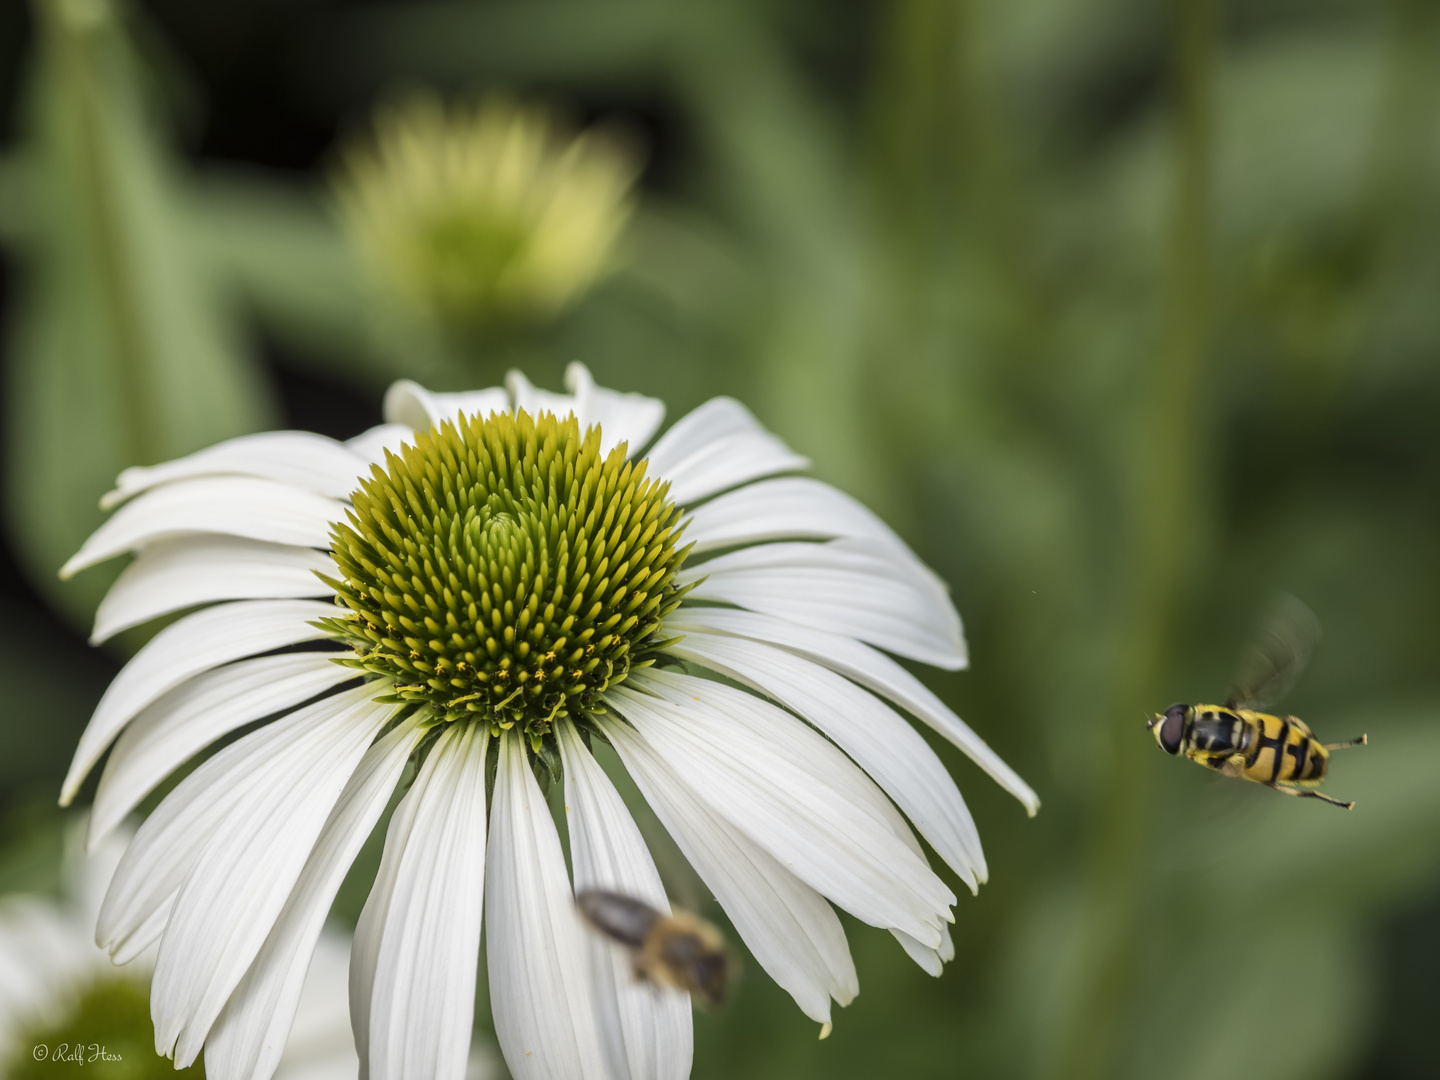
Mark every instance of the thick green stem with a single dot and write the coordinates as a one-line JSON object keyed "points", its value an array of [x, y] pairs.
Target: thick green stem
{"points": [[1165, 507]]}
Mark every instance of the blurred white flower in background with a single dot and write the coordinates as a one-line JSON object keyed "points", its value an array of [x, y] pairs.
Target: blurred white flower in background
{"points": [[516, 586], [58, 988], [473, 215]]}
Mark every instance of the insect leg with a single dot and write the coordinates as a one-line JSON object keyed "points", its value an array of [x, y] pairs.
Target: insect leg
{"points": [[1295, 792], [1361, 741]]}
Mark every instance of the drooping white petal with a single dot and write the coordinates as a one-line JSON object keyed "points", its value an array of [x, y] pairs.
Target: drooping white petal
{"points": [[788, 508], [627, 418], [412, 974], [789, 928], [184, 649], [927, 958], [296, 458], [185, 571], [148, 932], [840, 589], [419, 409], [247, 868], [320, 1046], [790, 791], [136, 907], [250, 1033], [180, 724], [718, 446], [539, 971], [86, 874], [646, 1028], [372, 444], [879, 741], [230, 505], [869, 668]]}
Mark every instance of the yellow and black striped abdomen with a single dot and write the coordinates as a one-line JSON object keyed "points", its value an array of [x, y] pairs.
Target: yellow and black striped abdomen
{"points": [[1281, 750]]}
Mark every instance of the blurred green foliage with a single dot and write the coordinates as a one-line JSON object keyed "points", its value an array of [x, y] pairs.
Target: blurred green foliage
{"points": [[120, 353], [106, 1034], [1123, 313]]}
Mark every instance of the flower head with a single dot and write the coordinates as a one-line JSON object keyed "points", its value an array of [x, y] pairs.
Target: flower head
{"points": [[517, 585], [473, 215], [547, 569]]}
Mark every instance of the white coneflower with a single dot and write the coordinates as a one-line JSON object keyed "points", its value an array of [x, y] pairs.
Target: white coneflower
{"points": [[472, 215], [515, 581], [63, 1004]]}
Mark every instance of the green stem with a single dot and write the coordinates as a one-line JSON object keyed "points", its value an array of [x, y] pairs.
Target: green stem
{"points": [[1165, 516], [76, 39]]}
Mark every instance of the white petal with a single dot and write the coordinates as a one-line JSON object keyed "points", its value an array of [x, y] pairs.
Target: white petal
{"points": [[296, 458], [320, 1046], [932, 961], [231, 505], [792, 932], [526, 395], [867, 667], [250, 1034], [879, 741], [718, 446], [142, 942], [86, 874], [196, 643], [627, 418], [947, 945], [411, 404], [421, 924], [928, 958], [539, 973], [788, 508], [166, 846], [247, 868], [372, 444], [791, 792], [840, 589], [181, 723], [646, 1028], [172, 574]]}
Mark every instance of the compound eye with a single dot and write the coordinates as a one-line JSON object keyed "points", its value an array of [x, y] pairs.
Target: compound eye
{"points": [[1172, 730]]}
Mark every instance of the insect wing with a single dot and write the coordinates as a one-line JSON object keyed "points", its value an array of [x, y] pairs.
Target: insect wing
{"points": [[623, 918], [1270, 666]]}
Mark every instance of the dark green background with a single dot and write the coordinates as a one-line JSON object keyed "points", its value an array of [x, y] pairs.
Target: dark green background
{"points": [[1126, 314]]}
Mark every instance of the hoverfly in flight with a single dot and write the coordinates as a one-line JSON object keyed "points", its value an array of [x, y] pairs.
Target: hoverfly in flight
{"points": [[1235, 739]]}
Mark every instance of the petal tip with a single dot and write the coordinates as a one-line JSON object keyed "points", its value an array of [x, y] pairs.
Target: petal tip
{"points": [[406, 403], [578, 377]]}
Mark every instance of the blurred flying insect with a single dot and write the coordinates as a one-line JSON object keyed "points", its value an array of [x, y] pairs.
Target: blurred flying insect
{"points": [[1234, 739], [679, 950]]}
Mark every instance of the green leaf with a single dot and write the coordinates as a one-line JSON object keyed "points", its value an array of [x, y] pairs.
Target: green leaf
{"points": [[123, 351]]}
